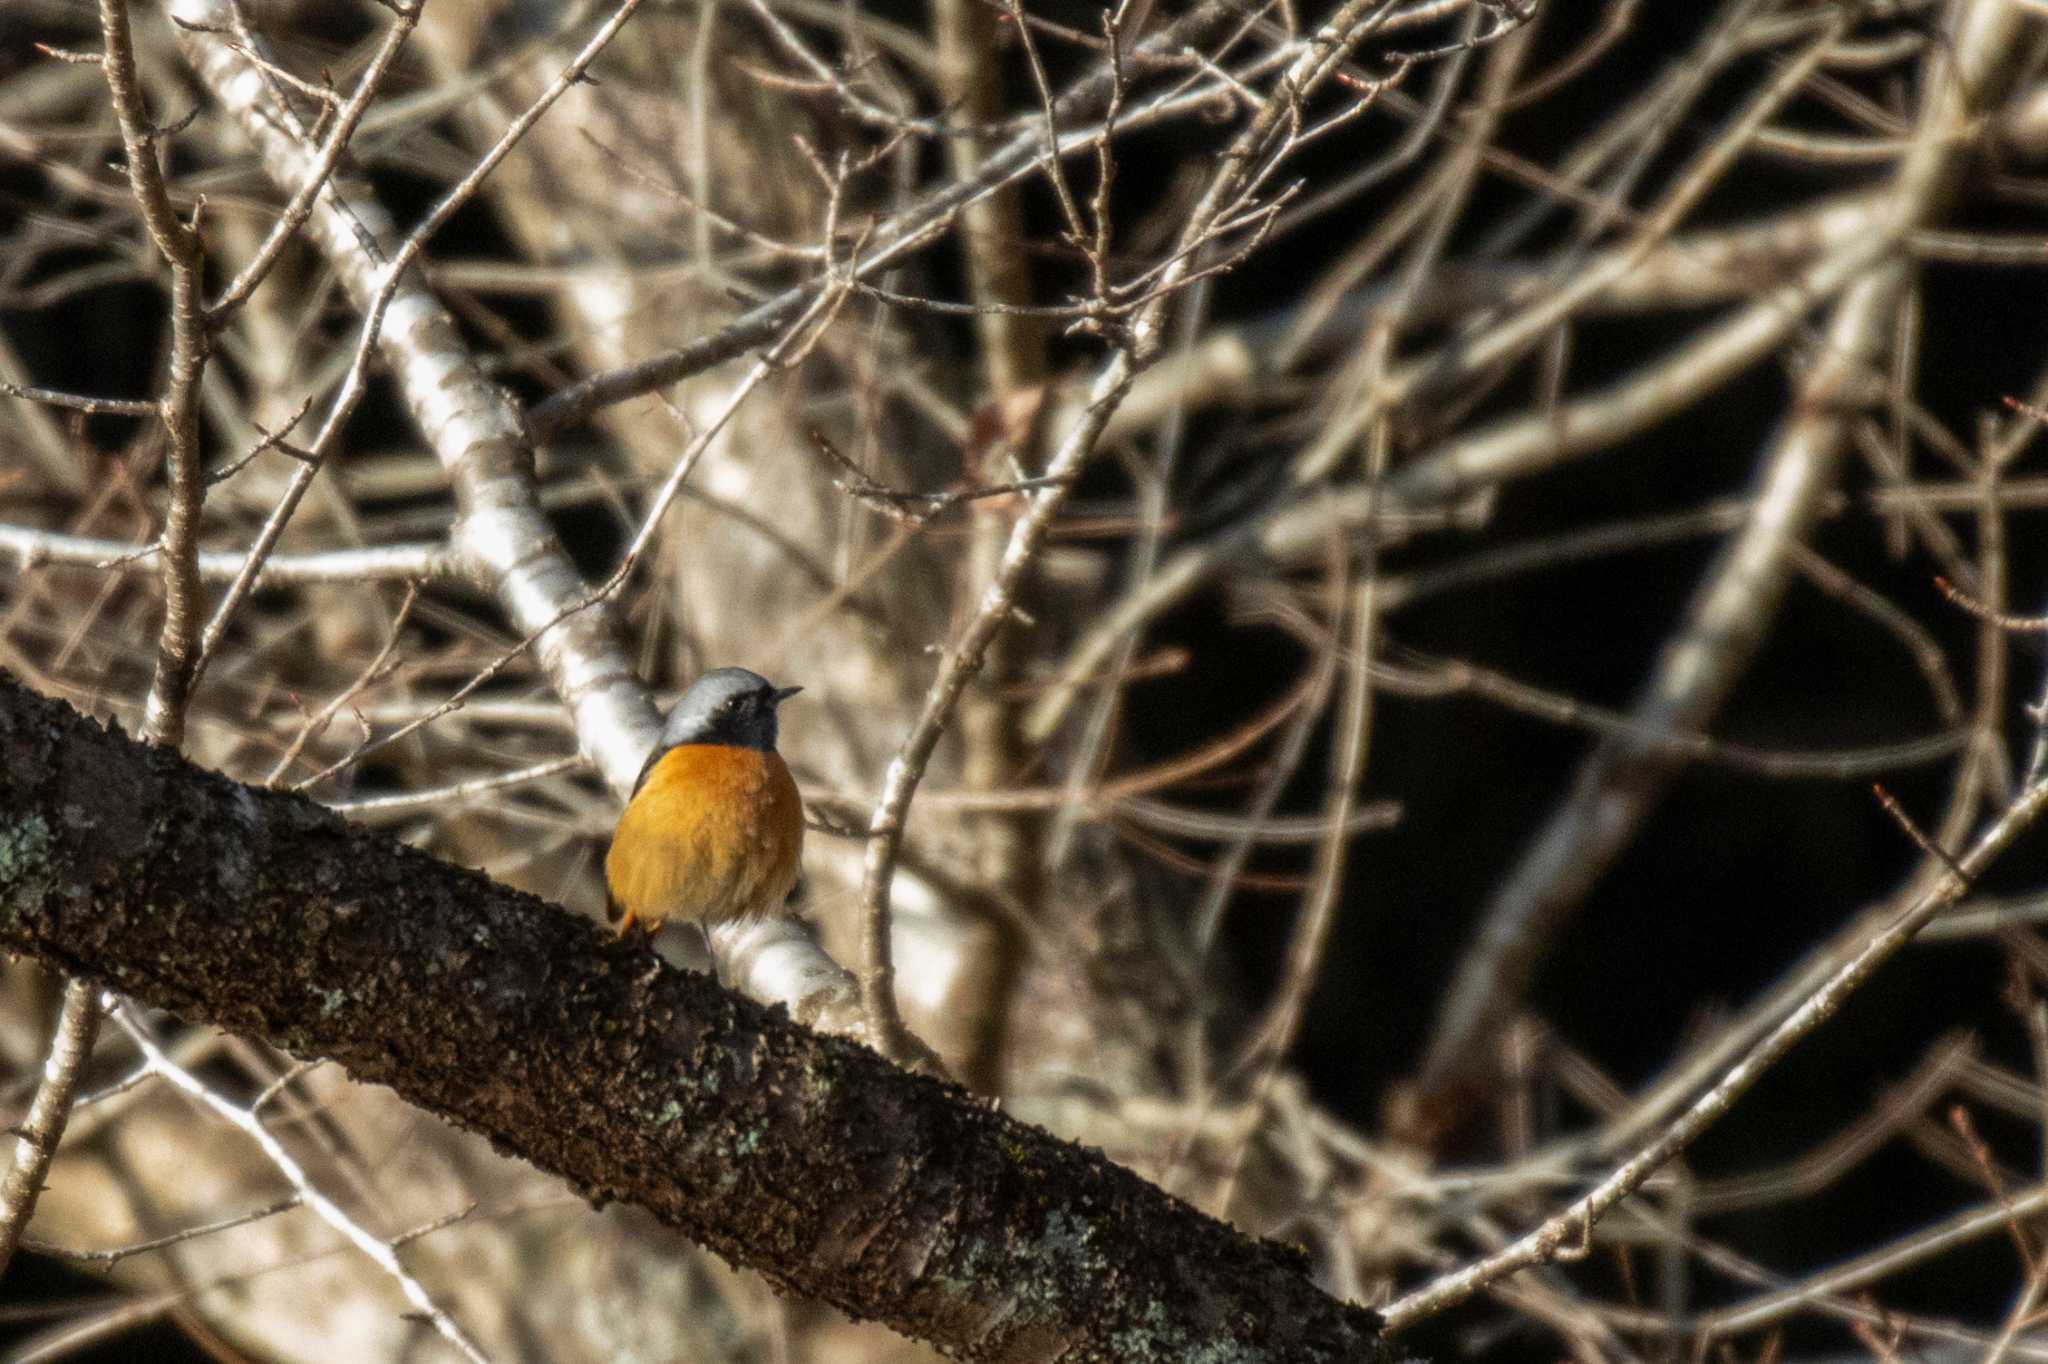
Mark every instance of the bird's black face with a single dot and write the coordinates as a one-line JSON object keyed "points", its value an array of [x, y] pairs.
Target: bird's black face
{"points": [[727, 706]]}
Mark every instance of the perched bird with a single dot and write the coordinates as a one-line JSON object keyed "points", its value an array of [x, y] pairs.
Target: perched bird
{"points": [[714, 829]]}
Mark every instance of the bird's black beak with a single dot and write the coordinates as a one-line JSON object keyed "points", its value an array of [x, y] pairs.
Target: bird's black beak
{"points": [[784, 693]]}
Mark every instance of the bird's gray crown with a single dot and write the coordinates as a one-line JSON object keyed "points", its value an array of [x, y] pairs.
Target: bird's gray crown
{"points": [[726, 706]]}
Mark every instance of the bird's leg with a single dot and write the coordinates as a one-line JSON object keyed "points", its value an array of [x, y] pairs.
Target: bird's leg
{"points": [[643, 931], [717, 970]]}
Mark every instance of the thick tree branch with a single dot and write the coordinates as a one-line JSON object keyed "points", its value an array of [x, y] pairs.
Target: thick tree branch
{"points": [[805, 1157]]}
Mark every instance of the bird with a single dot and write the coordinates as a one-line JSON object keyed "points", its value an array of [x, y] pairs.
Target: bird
{"points": [[714, 828]]}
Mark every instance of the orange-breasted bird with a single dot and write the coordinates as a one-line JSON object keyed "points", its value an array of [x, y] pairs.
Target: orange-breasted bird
{"points": [[714, 829]]}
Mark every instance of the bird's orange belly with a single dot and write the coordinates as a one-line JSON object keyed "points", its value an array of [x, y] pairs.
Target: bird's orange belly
{"points": [[714, 833]]}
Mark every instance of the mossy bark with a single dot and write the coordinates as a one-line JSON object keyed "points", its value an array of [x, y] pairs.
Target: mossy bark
{"points": [[805, 1157]]}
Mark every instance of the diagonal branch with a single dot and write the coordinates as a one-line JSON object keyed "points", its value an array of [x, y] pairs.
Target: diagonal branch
{"points": [[501, 536], [471, 422], [805, 1157]]}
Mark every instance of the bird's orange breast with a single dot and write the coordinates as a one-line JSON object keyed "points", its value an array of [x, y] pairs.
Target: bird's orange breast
{"points": [[714, 832]]}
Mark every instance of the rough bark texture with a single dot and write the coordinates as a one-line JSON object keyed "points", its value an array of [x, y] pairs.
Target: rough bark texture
{"points": [[805, 1157]]}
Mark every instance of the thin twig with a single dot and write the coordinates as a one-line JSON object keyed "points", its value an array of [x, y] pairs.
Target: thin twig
{"points": [[78, 1022], [114, 1256], [377, 1250]]}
